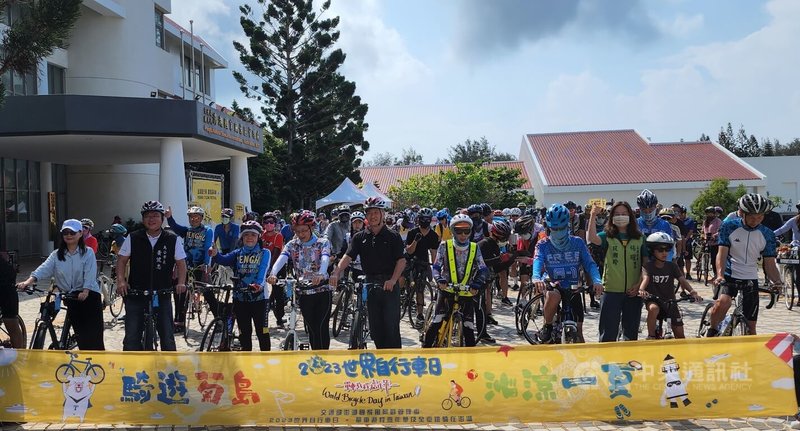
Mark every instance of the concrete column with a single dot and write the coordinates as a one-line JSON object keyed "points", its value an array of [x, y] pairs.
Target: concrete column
{"points": [[172, 179], [240, 182], [45, 187]]}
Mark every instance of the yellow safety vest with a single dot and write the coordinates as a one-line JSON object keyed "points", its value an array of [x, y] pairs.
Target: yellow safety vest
{"points": [[451, 259]]}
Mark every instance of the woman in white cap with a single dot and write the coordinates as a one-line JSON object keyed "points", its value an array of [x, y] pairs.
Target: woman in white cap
{"points": [[73, 267]]}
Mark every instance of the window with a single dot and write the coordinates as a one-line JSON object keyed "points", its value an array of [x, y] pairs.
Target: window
{"points": [[190, 77], [19, 85], [55, 79], [160, 29]]}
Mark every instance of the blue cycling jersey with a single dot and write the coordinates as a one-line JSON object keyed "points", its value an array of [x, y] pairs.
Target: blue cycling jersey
{"points": [[196, 242], [660, 225], [250, 264], [564, 265], [745, 246]]}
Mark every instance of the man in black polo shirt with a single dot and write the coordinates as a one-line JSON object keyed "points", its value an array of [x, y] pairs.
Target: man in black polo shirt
{"points": [[421, 245], [381, 252], [153, 253]]}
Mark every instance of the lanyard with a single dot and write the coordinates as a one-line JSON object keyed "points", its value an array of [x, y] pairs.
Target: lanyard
{"points": [[451, 259]]}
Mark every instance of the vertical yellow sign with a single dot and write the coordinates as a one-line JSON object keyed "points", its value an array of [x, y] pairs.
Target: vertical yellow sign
{"points": [[207, 194], [238, 212]]}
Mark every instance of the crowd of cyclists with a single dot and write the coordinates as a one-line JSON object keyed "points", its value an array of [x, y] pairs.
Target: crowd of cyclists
{"points": [[630, 259]]}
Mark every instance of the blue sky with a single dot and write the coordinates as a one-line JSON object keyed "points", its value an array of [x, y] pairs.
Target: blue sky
{"points": [[435, 73]]}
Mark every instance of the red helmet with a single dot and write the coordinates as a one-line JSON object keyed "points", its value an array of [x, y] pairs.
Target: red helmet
{"points": [[304, 218]]}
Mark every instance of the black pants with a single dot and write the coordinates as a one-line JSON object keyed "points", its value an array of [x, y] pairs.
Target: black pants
{"points": [[316, 311], [383, 309], [135, 307], [86, 318], [277, 302], [257, 313], [444, 304], [480, 313]]}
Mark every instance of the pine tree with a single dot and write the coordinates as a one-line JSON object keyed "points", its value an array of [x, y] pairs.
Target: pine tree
{"points": [[309, 107], [769, 151]]}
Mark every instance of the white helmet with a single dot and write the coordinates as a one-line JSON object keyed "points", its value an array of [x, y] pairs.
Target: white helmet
{"points": [[460, 218], [196, 210], [516, 211], [754, 203]]}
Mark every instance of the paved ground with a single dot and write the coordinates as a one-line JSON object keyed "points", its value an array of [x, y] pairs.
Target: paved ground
{"points": [[779, 319]]}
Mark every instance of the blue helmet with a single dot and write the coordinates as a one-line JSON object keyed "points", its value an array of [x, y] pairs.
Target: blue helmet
{"points": [[442, 214], [557, 216], [646, 199]]}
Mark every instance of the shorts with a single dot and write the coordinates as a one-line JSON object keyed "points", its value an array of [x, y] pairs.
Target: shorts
{"points": [[575, 302], [9, 302], [672, 311], [732, 287]]}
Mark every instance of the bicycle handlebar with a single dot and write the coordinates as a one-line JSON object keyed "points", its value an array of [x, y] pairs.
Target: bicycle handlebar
{"points": [[135, 292], [458, 289], [30, 290]]}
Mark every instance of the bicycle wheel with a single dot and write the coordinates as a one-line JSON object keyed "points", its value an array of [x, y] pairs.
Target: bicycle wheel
{"points": [[340, 311], [465, 402], [288, 343], [529, 318], [706, 267], [64, 372], [117, 303], [404, 298], [39, 336], [520, 305], [788, 286], [213, 336], [149, 335], [21, 324], [357, 332], [447, 404], [698, 268], [95, 373], [457, 339], [740, 327], [202, 312], [704, 321]]}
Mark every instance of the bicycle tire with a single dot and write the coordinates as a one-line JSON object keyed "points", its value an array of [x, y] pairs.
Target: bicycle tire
{"points": [[447, 404], [149, 336], [522, 300], [404, 295], [340, 311], [706, 267], [357, 340], [788, 286], [21, 324], [698, 269], [40, 334], [288, 343], [531, 323], [457, 337], [465, 402], [212, 336], [116, 303], [64, 372], [203, 312], [95, 373], [188, 315], [704, 321], [740, 327]]}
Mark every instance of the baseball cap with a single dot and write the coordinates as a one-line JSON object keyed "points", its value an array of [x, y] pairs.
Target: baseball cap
{"points": [[72, 224]]}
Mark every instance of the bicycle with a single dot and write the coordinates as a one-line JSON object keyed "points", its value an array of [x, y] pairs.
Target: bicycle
{"points": [[408, 299], [565, 328], [521, 319], [788, 259], [43, 326], [703, 266], [5, 338], [663, 317], [221, 334], [195, 305], [95, 372], [343, 309], [359, 330], [290, 342], [448, 402], [451, 333], [736, 322], [108, 287], [150, 334]]}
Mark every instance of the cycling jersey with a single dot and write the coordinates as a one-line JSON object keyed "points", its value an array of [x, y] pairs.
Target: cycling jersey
{"points": [[443, 232], [335, 234], [660, 225], [196, 242], [250, 265], [227, 240], [745, 246], [479, 231], [791, 224], [441, 267], [309, 259], [564, 265]]}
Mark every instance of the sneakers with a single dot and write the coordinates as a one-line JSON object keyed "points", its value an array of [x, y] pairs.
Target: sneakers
{"points": [[689, 277], [546, 333], [595, 304], [712, 332], [179, 328], [507, 301], [486, 338], [490, 320], [651, 337]]}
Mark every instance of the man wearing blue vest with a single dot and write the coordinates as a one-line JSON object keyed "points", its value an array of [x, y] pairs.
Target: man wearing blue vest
{"points": [[648, 220]]}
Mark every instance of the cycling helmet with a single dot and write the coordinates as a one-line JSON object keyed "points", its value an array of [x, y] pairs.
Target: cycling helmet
{"points": [[153, 206], [516, 212], [442, 214], [415, 207], [570, 205], [460, 219], [251, 215], [646, 199], [524, 224], [87, 222], [666, 213], [343, 209], [798, 207], [304, 218], [321, 215], [500, 229], [486, 209], [497, 213], [389, 219], [269, 215], [660, 239], [710, 210], [357, 215], [251, 226], [754, 203], [474, 208], [118, 229], [425, 213], [522, 205], [506, 212], [557, 216], [196, 210], [718, 210], [375, 202], [227, 212]]}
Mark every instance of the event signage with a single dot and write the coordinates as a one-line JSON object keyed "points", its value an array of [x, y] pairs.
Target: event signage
{"points": [[222, 126], [666, 380]]}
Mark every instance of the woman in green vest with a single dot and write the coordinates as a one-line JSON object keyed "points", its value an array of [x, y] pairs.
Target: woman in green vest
{"points": [[624, 249]]}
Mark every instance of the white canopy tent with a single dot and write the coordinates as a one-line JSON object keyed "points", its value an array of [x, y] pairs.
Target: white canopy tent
{"points": [[369, 189], [346, 193]]}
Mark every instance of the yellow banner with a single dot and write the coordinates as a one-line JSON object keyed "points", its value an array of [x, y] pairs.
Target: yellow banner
{"points": [[697, 378], [238, 212], [208, 195], [600, 202]]}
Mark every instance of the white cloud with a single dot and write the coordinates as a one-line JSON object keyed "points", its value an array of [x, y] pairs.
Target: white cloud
{"points": [[682, 25]]}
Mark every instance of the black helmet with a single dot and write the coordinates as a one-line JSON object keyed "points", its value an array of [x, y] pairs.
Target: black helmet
{"points": [[524, 224], [486, 209]]}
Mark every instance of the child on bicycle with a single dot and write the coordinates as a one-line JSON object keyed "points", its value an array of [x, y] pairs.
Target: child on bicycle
{"points": [[250, 263], [658, 285]]}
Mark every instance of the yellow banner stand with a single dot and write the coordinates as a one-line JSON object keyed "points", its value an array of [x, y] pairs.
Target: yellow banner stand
{"points": [[647, 380]]}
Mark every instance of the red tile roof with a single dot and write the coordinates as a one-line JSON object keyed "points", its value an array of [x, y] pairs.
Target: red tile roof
{"points": [[388, 176], [624, 157]]}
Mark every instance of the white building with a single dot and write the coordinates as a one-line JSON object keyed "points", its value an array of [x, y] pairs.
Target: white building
{"points": [[111, 121], [783, 178], [619, 164]]}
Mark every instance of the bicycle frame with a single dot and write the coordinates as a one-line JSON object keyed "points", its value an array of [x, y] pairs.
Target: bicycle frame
{"points": [[453, 327], [150, 334], [737, 316], [44, 321]]}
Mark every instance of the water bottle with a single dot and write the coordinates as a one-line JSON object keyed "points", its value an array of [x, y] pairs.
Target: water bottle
{"points": [[364, 293], [230, 324], [155, 300], [57, 302], [723, 326], [288, 287]]}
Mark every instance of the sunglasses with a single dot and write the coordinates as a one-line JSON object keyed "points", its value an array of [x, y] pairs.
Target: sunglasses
{"points": [[462, 231], [66, 232], [557, 229], [663, 249], [269, 222]]}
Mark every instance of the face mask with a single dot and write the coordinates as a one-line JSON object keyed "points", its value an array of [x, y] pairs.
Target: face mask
{"points": [[226, 220], [620, 220], [425, 224], [344, 218], [649, 217], [502, 243], [560, 238], [476, 219], [526, 236], [600, 221]]}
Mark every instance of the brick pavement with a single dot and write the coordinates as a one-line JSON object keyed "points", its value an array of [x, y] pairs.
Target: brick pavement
{"points": [[779, 319]]}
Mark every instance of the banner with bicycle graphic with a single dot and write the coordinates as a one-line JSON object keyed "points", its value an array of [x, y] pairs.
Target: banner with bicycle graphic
{"points": [[675, 379]]}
